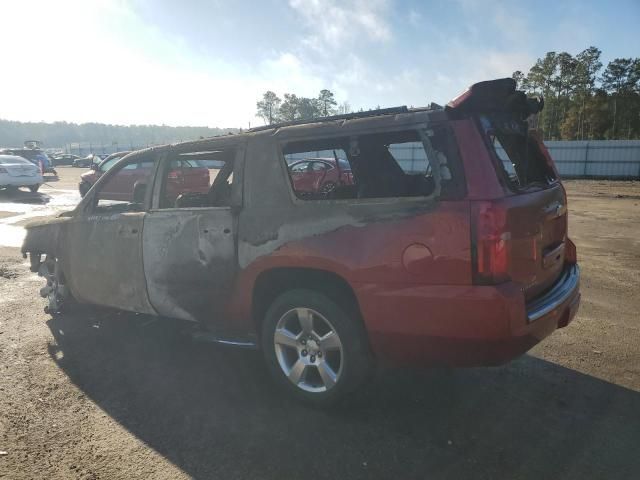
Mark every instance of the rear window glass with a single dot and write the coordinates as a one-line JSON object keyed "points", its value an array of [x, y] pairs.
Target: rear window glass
{"points": [[521, 162]]}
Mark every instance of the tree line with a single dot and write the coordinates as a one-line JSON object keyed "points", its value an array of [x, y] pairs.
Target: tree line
{"points": [[583, 101], [273, 109], [61, 134]]}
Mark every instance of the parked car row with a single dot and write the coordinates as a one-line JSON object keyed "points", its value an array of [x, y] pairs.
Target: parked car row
{"points": [[63, 158], [76, 160], [89, 160], [34, 155]]}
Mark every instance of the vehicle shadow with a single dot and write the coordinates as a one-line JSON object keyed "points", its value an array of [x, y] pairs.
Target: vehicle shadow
{"points": [[23, 196], [213, 412]]}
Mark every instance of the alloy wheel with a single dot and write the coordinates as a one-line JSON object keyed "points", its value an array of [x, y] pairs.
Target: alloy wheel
{"points": [[309, 350]]}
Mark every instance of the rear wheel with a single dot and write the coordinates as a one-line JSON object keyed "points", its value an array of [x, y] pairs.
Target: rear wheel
{"points": [[314, 349]]}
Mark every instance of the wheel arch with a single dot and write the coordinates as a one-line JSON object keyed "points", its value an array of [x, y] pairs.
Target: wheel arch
{"points": [[275, 281]]}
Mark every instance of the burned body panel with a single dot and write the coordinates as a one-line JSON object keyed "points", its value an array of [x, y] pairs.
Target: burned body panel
{"points": [[190, 262], [43, 235], [104, 254]]}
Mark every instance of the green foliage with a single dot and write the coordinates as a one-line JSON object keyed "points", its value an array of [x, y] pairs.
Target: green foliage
{"points": [[579, 104], [327, 103], [61, 134], [271, 109], [268, 107], [289, 108]]}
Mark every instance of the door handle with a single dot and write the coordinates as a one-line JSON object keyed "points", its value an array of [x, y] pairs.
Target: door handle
{"points": [[226, 230], [134, 230]]}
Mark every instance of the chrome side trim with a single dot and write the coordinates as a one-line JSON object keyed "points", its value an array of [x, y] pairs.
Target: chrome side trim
{"points": [[564, 288], [211, 337]]}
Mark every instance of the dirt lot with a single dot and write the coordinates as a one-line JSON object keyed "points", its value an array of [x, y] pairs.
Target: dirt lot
{"points": [[101, 395]]}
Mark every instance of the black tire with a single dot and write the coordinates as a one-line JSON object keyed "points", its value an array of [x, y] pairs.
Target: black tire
{"points": [[34, 188], [355, 357]]}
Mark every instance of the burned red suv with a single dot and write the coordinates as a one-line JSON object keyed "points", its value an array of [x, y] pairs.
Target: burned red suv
{"points": [[449, 246]]}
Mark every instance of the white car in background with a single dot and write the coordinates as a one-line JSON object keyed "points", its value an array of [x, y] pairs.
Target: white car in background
{"points": [[18, 172]]}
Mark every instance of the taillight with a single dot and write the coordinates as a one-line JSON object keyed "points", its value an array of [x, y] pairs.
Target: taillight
{"points": [[570, 253], [491, 243], [174, 175]]}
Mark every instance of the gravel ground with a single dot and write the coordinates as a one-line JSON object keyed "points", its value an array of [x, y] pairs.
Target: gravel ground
{"points": [[105, 395]]}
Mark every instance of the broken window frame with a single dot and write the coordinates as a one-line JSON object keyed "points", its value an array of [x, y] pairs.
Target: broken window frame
{"points": [[89, 205], [172, 153], [422, 128]]}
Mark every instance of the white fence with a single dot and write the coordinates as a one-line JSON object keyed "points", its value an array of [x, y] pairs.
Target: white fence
{"points": [[595, 158]]}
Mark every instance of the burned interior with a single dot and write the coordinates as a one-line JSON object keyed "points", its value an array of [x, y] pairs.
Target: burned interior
{"points": [[367, 165], [518, 156]]}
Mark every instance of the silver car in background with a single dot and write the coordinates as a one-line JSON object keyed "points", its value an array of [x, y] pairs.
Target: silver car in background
{"points": [[16, 172]]}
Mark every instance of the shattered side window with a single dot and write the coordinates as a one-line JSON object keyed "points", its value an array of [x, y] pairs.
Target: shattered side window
{"points": [[318, 173], [520, 159], [380, 165], [198, 179]]}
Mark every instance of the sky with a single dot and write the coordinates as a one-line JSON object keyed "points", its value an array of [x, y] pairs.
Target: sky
{"points": [[206, 63]]}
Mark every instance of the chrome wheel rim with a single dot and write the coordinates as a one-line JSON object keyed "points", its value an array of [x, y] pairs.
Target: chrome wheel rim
{"points": [[327, 188], [309, 350]]}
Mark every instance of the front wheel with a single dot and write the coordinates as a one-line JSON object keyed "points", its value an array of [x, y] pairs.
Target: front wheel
{"points": [[314, 349], [34, 188], [56, 291]]}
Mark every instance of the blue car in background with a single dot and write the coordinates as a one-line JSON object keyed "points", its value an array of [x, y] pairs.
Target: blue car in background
{"points": [[35, 156]]}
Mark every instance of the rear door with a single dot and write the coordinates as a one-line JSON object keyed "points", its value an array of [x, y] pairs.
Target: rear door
{"points": [[190, 258]]}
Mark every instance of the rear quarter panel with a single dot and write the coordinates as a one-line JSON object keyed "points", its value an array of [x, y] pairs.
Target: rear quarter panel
{"points": [[363, 241]]}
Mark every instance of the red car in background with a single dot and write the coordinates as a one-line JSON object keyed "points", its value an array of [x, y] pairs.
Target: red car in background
{"points": [[87, 179], [185, 176], [320, 175]]}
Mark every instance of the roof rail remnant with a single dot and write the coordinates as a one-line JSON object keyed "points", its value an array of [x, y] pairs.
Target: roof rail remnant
{"points": [[346, 116]]}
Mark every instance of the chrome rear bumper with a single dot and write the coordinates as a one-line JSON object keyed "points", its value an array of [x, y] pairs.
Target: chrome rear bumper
{"points": [[563, 290]]}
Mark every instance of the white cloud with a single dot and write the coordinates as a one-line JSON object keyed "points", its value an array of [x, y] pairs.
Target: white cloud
{"points": [[333, 23], [113, 68]]}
